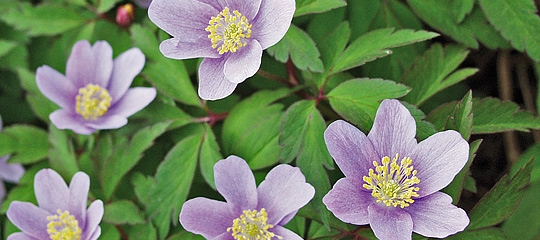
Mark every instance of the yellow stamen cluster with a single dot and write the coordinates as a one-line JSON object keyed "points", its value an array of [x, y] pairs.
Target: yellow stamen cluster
{"points": [[63, 226], [251, 225], [391, 183], [229, 31], [92, 101]]}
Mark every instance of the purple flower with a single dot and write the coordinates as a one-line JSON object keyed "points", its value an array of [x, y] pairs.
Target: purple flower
{"points": [[11, 172], [229, 34], [391, 181], [94, 93], [250, 212], [62, 212]]}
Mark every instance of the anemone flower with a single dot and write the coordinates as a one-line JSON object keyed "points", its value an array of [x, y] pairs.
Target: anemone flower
{"points": [[229, 34], [392, 182], [249, 212], [94, 94], [62, 212], [9, 172]]}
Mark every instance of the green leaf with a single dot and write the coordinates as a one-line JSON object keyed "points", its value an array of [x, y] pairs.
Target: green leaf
{"points": [[106, 5], [142, 186], [300, 47], [357, 100], [41, 106], [209, 155], [483, 31], [6, 47], [455, 115], [169, 76], [460, 8], [185, 235], [142, 231], [160, 111], [62, 154], [122, 212], [379, 42], [126, 155], [501, 201], [455, 188], [45, 19], [492, 115], [16, 139], [435, 71], [491, 233], [302, 136], [172, 183], [518, 23], [316, 6]]}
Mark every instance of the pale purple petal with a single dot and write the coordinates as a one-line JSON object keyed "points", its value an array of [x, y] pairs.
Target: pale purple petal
{"points": [[212, 82], [126, 66], [56, 87], [244, 63], [30, 219], [236, 183], [11, 172], [181, 48], [223, 236], [65, 119], [143, 3], [393, 130], [90, 64], [272, 21], [78, 195], [348, 202], [108, 121], [351, 149], [20, 236], [438, 159], [435, 216], [51, 191], [389, 223], [207, 217], [186, 19], [133, 101], [246, 8], [283, 191], [285, 233], [94, 214]]}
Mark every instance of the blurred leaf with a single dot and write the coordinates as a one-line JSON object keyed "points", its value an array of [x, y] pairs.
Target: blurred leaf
{"points": [[455, 188], [172, 183], [15, 140], [375, 44], [357, 100], [41, 106], [6, 46], [501, 201], [480, 234], [62, 155], [122, 212], [518, 23], [316, 6], [167, 75], [106, 5], [460, 8], [142, 231], [492, 115], [209, 155], [142, 186], [184, 235], [159, 111], [300, 47], [126, 155], [435, 71], [45, 19], [109, 231]]}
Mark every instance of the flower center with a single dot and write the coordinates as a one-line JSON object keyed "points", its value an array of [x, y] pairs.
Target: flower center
{"points": [[63, 226], [228, 31], [391, 183], [93, 101], [251, 225]]}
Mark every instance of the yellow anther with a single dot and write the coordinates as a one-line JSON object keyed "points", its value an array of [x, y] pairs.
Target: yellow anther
{"points": [[251, 225], [391, 183], [63, 226], [92, 101], [228, 31]]}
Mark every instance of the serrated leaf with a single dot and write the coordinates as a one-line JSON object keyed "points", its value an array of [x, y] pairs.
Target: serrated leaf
{"points": [[455, 115], [376, 44], [301, 49], [122, 212], [357, 100], [62, 154], [435, 71], [492, 115], [126, 155], [518, 23], [46, 19], [15, 140], [142, 185], [209, 155], [316, 6], [455, 188], [501, 201], [480, 234], [460, 8]]}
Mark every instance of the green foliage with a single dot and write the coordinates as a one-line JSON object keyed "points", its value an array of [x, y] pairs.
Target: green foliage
{"points": [[455, 188], [316, 6], [484, 233], [15, 139], [493, 115], [122, 212], [6, 46]]}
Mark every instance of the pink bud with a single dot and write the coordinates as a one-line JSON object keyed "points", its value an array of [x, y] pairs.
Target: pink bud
{"points": [[125, 14]]}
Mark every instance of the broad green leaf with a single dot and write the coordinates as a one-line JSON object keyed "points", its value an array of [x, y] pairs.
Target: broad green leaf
{"points": [[169, 76], [41, 106], [357, 100], [122, 212], [172, 183], [209, 155], [460, 8], [435, 71], [45, 19], [501, 201], [455, 188], [376, 44], [62, 156], [16, 139], [126, 155], [519, 23], [251, 129], [142, 186], [491, 233], [142, 231], [316, 6], [301, 49], [483, 31], [159, 111], [6, 46], [492, 115], [454, 115], [185, 235], [106, 5]]}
